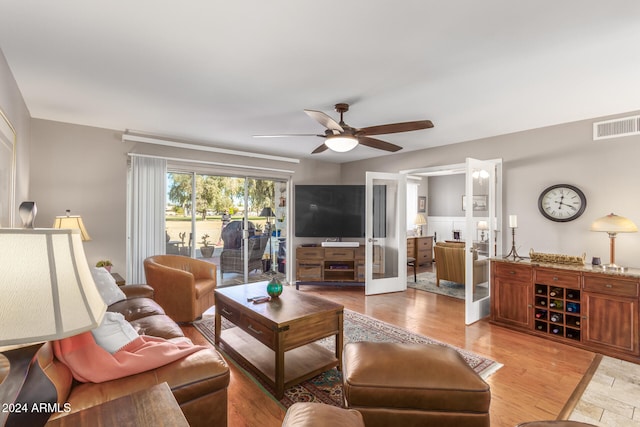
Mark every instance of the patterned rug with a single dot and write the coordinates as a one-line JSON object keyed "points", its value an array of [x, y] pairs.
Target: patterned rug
{"points": [[427, 282], [327, 387]]}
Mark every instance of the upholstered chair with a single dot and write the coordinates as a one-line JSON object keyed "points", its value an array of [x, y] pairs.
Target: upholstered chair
{"points": [[183, 286], [450, 263]]}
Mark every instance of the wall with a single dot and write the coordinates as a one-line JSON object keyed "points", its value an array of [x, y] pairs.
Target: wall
{"points": [[534, 160], [84, 169], [14, 107], [445, 195]]}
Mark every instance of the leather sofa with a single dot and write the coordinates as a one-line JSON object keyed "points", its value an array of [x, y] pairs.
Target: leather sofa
{"points": [[183, 286], [198, 381], [450, 263]]}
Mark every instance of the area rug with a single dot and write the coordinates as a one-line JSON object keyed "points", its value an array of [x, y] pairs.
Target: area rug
{"points": [[327, 387], [427, 282]]}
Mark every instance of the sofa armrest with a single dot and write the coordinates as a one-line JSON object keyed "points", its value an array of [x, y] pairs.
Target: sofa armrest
{"points": [[137, 291]]}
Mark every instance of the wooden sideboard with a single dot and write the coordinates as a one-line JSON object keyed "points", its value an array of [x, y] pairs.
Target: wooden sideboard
{"points": [[334, 266], [583, 306], [420, 248]]}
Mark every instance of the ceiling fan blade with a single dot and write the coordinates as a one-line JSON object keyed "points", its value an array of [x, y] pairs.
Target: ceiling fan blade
{"points": [[397, 127], [287, 135], [320, 149], [324, 120], [379, 144]]}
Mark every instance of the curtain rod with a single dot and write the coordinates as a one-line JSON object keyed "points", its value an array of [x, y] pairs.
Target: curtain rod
{"points": [[129, 135], [206, 162]]}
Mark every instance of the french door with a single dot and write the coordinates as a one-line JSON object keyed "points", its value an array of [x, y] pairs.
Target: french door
{"points": [[385, 235], [482, 205]]}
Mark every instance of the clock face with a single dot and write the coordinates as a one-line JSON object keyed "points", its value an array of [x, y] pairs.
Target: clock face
{"points": [[562, 202]]}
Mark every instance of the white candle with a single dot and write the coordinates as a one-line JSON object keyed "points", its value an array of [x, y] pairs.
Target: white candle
{"points": [[513, 221]]}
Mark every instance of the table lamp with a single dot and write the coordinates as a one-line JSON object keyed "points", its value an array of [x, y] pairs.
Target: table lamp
{"points": [[419, 221], [72, 221], [613, 224], [483, 226], [48, 294]]}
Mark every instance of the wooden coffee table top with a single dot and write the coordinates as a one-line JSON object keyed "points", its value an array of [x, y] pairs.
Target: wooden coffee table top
{"points": [[289, 306]]}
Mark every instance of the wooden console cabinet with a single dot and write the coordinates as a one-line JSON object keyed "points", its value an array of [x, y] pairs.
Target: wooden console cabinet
{"points": [[420, 248], [341, 266], [581, 306]]}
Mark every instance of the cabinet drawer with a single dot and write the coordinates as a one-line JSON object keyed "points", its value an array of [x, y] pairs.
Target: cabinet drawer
{"points": [[228, 312], [424, 243], [521, 273], [309, 253], [309, 271], [257, 330], [610, 285], [338, 253], [359, 252], [565, 279]]}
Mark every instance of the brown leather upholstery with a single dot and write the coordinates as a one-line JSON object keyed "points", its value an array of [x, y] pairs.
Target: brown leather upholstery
{"points": [[199, 381], [450, 264], [307, 414], [413, 385], [183, 286]]}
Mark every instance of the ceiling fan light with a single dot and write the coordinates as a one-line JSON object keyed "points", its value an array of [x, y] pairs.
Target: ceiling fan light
{"points": [[341, 143]]}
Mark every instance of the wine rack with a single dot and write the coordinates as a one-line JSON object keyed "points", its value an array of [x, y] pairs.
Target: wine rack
{"points": [[557, 311]]}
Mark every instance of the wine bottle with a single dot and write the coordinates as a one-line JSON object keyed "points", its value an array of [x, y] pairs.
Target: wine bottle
{"points": [[573, 307], [556, 303], [554, 292], [571, 294], [555, 318], [541, 314], [542, 302], [555, 331]]}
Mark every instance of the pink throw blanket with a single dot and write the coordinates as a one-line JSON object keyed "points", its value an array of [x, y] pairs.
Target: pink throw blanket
{"points": [[91, 363]]}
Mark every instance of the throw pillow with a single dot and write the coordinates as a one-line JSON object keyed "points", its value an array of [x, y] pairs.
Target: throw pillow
{"points": [[107, 286], [114, 332]]}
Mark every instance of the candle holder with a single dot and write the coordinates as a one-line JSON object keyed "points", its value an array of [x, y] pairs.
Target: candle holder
{"points": [[513, 253]]}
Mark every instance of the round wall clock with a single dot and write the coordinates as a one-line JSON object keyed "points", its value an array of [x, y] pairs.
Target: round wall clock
{"points": [[562, 202]]}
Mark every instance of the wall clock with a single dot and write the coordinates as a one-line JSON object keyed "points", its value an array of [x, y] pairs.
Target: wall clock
{"points": [[562, 202]]}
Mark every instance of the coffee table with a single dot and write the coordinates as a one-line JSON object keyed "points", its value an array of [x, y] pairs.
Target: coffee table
{"points": [[276, 339]]}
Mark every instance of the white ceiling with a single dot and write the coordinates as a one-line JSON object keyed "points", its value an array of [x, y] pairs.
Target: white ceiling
{"points": [[218, 72]]}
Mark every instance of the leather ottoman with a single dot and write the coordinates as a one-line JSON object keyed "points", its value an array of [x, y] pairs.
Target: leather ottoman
{"points": [[307, 414], [413, 385]]}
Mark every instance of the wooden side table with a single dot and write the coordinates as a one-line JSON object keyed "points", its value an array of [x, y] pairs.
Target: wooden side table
{"points": [[119, 279], [154, 406]]}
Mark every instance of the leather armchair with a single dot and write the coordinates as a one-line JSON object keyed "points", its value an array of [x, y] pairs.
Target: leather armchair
{"points": [[450, 264], [183, 286]]}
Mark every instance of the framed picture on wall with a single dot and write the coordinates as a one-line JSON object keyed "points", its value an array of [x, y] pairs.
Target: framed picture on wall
{"points": [[479, 203], [7, 171], [422, 204]]}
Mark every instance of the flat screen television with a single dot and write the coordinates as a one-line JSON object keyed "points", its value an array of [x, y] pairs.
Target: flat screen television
{"points": [[335, 211]]}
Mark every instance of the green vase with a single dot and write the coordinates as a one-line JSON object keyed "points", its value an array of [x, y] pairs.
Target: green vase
{"points": [[274, 288]]}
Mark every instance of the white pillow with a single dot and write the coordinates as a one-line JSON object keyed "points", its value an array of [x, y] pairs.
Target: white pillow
{"points": [[114, 332], [107, 286]]}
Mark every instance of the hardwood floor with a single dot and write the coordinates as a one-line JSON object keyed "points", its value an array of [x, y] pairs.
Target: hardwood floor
{"points": [[537, 379]]}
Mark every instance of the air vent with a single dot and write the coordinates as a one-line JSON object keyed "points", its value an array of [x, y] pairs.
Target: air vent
{"points": [[616, 128]]}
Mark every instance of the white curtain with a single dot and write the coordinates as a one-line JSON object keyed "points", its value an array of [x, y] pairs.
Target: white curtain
{"points": [[146, 214]]}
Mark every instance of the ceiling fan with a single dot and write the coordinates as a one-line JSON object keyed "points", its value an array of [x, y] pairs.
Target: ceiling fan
{"points": [[341, 137]]}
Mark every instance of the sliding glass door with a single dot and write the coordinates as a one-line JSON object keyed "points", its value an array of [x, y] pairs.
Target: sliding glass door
{"points": [[236, 223]]}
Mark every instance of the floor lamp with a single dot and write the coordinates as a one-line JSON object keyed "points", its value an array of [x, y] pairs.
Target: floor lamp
{"points": [[268, 213]]}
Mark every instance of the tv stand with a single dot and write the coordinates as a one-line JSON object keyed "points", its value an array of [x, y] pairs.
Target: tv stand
{"points": [[338, 266]]}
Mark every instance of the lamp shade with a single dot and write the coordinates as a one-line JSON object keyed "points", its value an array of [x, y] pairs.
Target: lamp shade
{"points": [[420, 220], [341, 143], [483, 225], [267, 211], [72, 222], [614, 224], [48, 292]]}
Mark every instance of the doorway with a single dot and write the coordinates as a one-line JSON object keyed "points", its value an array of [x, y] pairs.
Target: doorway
{"points": [[237, 223], [469, 228]]}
